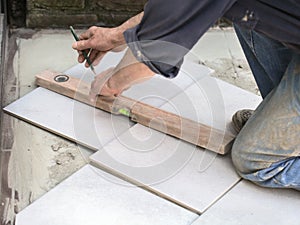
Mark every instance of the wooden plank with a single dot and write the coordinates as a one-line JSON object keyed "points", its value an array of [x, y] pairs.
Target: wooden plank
{"points": [[169, 123]]}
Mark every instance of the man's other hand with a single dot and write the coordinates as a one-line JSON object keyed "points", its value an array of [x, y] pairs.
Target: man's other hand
{"points": [[97, 41], [114, 81]]}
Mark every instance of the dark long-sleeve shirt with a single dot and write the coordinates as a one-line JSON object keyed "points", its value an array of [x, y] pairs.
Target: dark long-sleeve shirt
{"points": [[170, 28]]}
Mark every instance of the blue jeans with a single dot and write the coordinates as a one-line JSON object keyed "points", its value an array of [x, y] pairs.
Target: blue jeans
{"points": [[267, 150]]}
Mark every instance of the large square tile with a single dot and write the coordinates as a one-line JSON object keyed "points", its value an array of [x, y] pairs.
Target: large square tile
{"points": [[212, 102], [248, 204], [192, 177], [68, 118], [93, 197]]}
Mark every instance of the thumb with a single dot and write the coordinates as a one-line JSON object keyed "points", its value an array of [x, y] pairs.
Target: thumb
{"points": [[81, 45]]}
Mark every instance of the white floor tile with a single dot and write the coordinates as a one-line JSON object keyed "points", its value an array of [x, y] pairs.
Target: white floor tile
{"points": [[187, 175], [93, 197], [212, 102], [68, 118], [248, 204], [160, 90]]}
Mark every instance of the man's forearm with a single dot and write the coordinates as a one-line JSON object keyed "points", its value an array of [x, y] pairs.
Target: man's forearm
{"points": [[132, 22]]}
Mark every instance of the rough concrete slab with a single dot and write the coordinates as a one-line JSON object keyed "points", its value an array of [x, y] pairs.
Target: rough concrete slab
{"points": [[220, 50], [42, 50], [1, 35], [189, 176], [93, 197], [216, 44], [249, 204], [1, 51]]}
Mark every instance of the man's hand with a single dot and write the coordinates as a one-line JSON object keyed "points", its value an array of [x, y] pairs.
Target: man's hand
{"points": [[114, 81], [100, 40], [128, 72]]}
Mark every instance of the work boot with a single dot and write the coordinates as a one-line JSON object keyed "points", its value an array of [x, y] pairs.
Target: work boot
{"points": [[240, 118]]}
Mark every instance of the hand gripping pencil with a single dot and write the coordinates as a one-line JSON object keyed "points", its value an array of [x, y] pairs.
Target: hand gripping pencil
{"points": [[83, 52]]}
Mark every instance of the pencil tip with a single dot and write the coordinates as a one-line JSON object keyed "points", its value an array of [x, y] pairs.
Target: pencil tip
{"points": [[93, 70]]}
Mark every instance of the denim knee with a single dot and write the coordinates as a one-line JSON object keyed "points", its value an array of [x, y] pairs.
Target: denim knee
{"points": [[246, 157], [271, 135], [281, 174]]}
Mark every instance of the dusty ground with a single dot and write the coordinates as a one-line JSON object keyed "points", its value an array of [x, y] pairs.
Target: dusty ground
{"points": [[38, 160], [234, 71]]}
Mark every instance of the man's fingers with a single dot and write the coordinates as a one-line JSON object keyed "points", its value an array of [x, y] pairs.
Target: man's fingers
{"points": [[88, 33], [80, 57], [99, 85], [98, 89], [82, 45]]}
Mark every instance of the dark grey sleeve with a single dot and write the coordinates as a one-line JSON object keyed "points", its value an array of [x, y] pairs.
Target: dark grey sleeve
{"points": [[169, 29]]}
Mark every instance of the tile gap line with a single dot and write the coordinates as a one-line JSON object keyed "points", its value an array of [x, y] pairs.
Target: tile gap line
{"points": [[146, 188], [223, 195]]}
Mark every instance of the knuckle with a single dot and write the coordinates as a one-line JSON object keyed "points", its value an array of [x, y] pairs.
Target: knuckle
{"points": [[93, 28]]}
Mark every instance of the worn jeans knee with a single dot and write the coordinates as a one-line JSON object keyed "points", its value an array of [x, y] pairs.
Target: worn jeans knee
{"points": [[267, 149]]}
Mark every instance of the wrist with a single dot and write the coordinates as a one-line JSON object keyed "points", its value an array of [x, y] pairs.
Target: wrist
{"points": [[117, 36], [132, 22], [130, 75]]}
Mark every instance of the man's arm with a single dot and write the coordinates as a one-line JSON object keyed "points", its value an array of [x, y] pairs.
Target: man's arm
{"points": [[167, 31], [170, 28]]}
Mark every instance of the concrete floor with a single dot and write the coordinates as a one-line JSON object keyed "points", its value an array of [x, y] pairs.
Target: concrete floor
{"points": [[38, 160]]}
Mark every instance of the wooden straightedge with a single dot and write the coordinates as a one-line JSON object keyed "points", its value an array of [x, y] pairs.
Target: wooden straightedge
{"points": [[169, 123]]}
